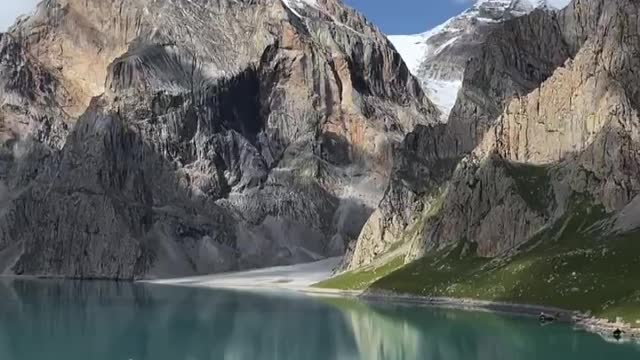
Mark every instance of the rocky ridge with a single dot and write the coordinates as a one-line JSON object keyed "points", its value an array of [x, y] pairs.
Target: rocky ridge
{"points": [[438, 57], [547, 115], [175, 137]]}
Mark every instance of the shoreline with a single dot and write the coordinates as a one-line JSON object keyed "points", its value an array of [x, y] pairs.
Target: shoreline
{"points": [[579, 321], [300, 279]]}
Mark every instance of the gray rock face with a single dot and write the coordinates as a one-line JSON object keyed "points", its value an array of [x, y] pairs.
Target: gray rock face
{"points": [[548, 111], [210, 136]]}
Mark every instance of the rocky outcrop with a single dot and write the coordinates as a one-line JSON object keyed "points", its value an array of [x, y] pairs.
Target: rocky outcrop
{"points": [[32, 98], [214, 136], [513, 60], [550, 113], [415, 188], [586, 116]]}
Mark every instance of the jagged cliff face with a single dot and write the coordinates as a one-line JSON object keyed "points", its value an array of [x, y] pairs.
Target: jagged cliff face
{"points": [[548, 113], [175, 137], [439, 56]]}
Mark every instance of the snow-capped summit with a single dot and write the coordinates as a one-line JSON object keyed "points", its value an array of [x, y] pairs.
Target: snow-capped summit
{"points": [[549, 4], [295, 5], [503, 9], [438, 57], [300, 3]]}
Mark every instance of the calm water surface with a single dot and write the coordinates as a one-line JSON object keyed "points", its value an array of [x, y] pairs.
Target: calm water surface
{"points": [[65, 320]]}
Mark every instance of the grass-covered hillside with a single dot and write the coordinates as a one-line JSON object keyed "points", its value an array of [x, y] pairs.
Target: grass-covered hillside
{"points": [[572, 265]]}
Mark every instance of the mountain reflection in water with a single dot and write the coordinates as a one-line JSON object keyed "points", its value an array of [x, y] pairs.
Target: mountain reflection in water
{"points": [[73, 320]]}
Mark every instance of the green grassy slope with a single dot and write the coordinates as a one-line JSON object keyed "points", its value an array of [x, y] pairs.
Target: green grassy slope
{"points": [[569, 265], [361, 279]]}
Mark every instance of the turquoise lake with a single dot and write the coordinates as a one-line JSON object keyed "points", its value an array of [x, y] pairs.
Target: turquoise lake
{"points": [[69, 320]]}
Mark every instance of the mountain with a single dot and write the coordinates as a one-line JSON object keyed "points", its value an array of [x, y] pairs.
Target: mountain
{"points": [[439, 56], [530, 193], [154, 138]]}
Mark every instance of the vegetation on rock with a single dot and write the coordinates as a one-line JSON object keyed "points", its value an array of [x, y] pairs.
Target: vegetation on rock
{"points": [[574, 265]]}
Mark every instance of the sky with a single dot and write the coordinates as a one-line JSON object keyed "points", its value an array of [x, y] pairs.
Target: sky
{"points": [[11, 9], [404, 17], [394, 17]]}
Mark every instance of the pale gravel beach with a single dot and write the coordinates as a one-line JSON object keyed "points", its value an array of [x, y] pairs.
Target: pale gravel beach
{"points": [[293, 277]]}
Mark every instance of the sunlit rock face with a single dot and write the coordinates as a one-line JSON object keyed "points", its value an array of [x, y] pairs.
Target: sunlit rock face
{"points": [[174, 137], [547, 112]]}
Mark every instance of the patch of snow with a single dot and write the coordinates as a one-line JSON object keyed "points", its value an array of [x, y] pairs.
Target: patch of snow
{"points": [[549, 4], [524, 5], [489, 20], [558, 4], [416, 49], [299, 4], [412, 48], [295, 5], [444, 94], [446, 44], [496, 3], [289, 5], [445, 26], [283, 277], [312, 3]]}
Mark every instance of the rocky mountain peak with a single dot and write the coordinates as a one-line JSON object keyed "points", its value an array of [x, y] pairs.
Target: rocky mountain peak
{"points": [[438, 57], [500, 10], [186, 137], [544, 133]]}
